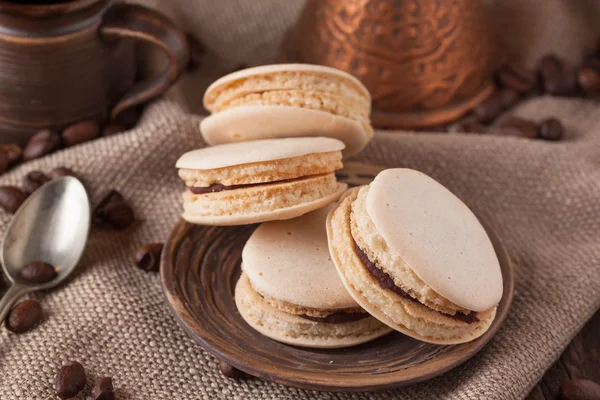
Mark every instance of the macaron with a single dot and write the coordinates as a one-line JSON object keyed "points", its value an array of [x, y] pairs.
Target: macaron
{"points": [[415, 256], [288, 100], [290, 291], [258, 181]]}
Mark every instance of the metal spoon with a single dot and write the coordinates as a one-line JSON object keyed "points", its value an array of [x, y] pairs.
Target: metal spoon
{"points": [[51, 226]]}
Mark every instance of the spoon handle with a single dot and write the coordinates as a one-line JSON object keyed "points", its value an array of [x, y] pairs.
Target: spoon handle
{"points": [[12, 294]]}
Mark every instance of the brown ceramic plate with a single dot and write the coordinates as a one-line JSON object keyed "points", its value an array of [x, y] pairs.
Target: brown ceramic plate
{"points": [[200, 266]]}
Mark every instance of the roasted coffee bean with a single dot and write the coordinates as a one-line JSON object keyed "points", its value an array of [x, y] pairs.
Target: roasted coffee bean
{"points": [[551, 129], [24, 316], [589, 80], [229, 371], [196, 52], [59, 172], [508, 98], [34, 180], [42, 143], [466, 125], [579, 389], [593, 63], [80, 132], [113, 211], [490, 108], [148, 257], [4, 161], [516, 77], [129, 117], [103, 390], [11, 198], [38, 272], [70, 380], [113, 129], [515, 126], [557, 78], [14, 153]]}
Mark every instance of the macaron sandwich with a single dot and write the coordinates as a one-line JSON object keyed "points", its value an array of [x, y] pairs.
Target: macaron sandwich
{"points": [[288, 100], [290, 291], [415, 257], [261, 180]]}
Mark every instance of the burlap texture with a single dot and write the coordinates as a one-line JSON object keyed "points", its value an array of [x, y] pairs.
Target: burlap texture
{"points": [[542, 197]]}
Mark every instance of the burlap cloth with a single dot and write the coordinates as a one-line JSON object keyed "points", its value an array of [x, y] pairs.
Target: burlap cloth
{"points": [[543, 197]]}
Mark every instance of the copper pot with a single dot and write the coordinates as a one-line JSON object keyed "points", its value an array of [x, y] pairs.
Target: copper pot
{"points": [[426, 62]]}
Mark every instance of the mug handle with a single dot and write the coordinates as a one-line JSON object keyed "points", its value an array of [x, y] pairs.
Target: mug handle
{"points": [[137, 22]]}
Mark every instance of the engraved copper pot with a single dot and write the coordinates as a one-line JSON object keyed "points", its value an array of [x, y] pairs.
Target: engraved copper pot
{"points": [[426, 62]]}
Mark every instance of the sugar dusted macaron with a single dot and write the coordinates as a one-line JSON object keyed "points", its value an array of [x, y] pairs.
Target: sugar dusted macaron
{"points": [[258, 181], [414, 256], [290, 291], [288, 100]]}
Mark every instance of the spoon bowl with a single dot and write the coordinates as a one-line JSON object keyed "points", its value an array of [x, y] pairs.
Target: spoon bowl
{"points": [[51, 226]]}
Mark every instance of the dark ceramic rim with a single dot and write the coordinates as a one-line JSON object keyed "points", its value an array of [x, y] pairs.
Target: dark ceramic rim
{"points": [[45, 10]]}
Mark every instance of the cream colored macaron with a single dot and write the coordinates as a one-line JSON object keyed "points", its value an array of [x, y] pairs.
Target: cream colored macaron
{"points": [[414, 256], [290, 290], [288, 100], [258, 181]]}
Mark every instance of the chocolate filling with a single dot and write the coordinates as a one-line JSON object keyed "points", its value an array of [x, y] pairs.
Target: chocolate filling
{"points": [[338, 317], [217, 187], [386, 282]]}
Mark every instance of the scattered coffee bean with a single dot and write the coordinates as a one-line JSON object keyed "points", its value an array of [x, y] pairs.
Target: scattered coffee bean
{"points": [[113, 211], [148, 257], [80, 132], [229, 371], [34, 180], [490, 108], [551, 129], [11, 198], [579, 389], [129, 117], [24, 316], [516, 77], [515, 126], [466, 125], [42, 143], [113, 129], [557, 78], [589, 80], [103, 390], [4, 161], [14, 153], [38, 272], [59, 172], [70, 380], [196, 52], [508, 98]]}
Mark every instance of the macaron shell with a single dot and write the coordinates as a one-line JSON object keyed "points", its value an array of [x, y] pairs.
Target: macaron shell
{"points": [[290, 262], [437, 235], [256, 151], [294, 330], [274, 214], [266, 122]]}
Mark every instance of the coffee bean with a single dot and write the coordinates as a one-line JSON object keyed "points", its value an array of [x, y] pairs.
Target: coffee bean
{"points": [[129, 117], [579, 389], [515, 126], [113, 211], [4, 161], [516, 77], [230, 372], [466, 125], [589, 80], [148, 257], [113, 129], [14, 153], [593, 63], [80, 132], [11, 198], [42, 143], [490, 108], [103, 390], [196, 52], [557, 78], [551, 129], [24, 316], [38, 272], [59, 172], [508, 98], [70, 380], [34, 180]]}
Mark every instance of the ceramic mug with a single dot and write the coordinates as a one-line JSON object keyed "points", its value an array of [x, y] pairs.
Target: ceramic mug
{"points": [[66, 61]]}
